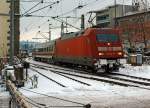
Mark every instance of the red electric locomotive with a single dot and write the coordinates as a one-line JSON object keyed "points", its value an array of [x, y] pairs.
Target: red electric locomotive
{"points": [[96, 48]]}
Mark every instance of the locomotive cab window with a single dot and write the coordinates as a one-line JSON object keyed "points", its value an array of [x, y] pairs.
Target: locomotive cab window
{"points": [[107, 38]]}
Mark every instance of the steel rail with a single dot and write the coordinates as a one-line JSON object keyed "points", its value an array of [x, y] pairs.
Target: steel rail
{"points": [[48, 77], [64, 76], [130, 76]]}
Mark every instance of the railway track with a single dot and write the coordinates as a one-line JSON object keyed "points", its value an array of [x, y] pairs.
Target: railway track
{"points": [[127, 80], [104, 78], [71, 78], [130, 76], [62, 68], [48, 77], [85, 77], [78, 81], [112, 76]]}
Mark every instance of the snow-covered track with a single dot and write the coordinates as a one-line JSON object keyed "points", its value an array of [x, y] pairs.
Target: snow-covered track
{"points": [[106, 78], [71, 78], [130, 76], [99, 78], [58, 73], [61, 68], [48, 77], [126, 80]]}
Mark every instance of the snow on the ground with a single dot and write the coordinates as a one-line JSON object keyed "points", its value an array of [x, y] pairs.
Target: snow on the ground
{"points": [[2, 89], [139, 71], [99, 94]]}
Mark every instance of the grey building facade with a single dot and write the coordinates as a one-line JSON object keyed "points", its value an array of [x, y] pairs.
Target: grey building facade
{"points": [[106, 17]]}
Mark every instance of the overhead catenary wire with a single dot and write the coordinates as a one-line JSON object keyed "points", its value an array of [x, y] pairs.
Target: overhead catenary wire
{"points": [[80, 6], [32, 7], [33, 1], [44, 7], [89, 3], [57, 19], [43, 36], [60, 20], [30, 26]]}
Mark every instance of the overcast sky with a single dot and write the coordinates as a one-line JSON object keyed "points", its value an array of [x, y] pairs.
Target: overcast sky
{"points": [[31, 25]]}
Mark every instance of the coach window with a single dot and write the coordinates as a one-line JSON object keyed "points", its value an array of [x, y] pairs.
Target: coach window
{"points": [[47, 49], [52, 48]]}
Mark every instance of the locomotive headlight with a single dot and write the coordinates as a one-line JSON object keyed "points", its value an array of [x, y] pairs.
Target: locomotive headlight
{"points": [[119, 53], [100, 54], [108, 44]]}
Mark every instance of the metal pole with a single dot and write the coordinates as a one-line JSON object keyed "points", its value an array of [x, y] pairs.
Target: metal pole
{"points": [[50, 32], [115, 12], [12, 3], [82, 22]]}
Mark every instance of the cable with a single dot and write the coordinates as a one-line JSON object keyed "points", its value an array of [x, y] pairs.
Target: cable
{"points": [[44, 105], [26, 1], [52, 97], [41, 9], [44, 7], [33, 7], [80, 6], [33, 104], [64, 106], [30, 26], [59, 20]]}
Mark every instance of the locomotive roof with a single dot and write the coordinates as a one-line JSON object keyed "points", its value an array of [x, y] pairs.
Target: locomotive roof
{"points": [[79, 33], [71, 35]]}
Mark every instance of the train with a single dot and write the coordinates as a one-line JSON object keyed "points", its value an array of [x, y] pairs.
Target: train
{"points": [[98, 49]]}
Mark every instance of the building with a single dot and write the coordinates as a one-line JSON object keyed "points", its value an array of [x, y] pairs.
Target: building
{"points": [[5, 28], [17, 27], [106, 17], [135, 29], [28, 46]]}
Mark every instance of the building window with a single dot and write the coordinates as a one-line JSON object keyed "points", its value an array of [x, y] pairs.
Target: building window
{"points": [[104, 17]]}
